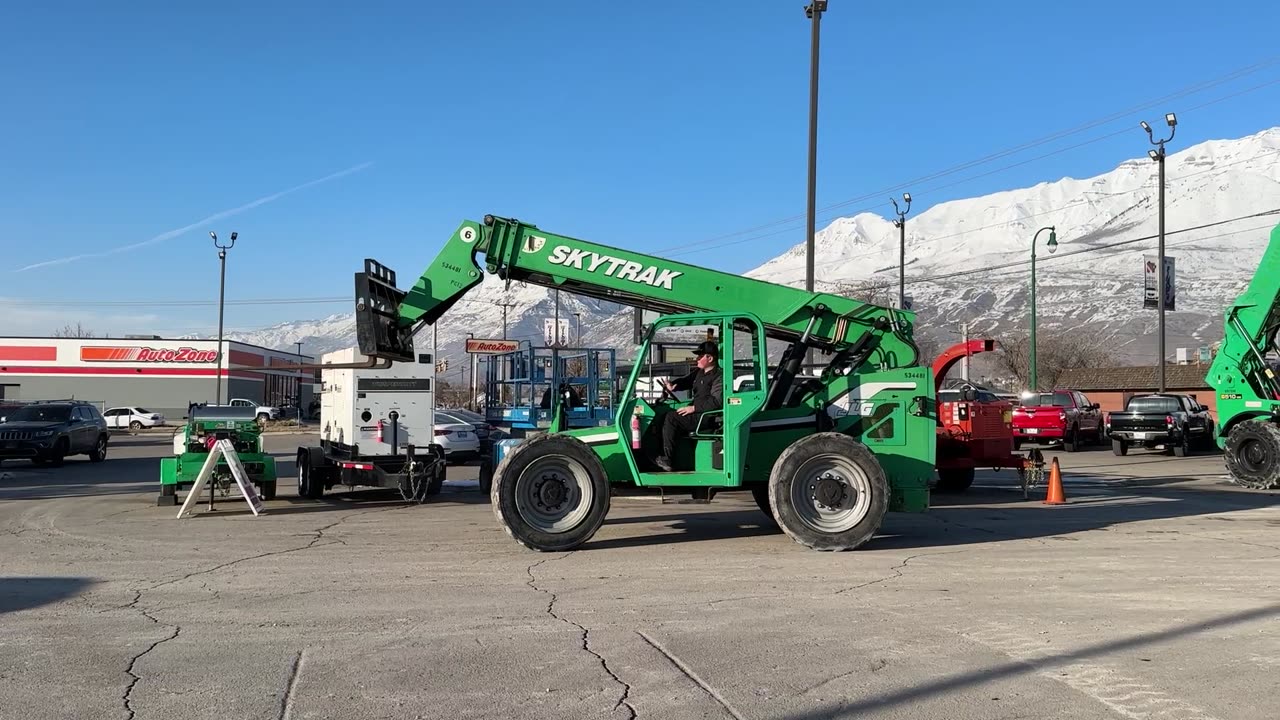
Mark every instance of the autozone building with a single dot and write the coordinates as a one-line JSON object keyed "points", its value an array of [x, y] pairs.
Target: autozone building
{"points": [[163, 376]]}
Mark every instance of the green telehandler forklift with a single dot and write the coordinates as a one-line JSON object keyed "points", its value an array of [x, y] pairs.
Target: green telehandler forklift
{"points": [[1244, 378], [825, 455]]}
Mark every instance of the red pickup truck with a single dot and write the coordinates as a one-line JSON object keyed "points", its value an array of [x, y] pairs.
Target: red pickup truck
{"points": [[1064, 416]]}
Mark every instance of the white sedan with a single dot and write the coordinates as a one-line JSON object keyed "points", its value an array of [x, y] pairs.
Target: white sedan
{"points": [[132, 417], [457, 438]]}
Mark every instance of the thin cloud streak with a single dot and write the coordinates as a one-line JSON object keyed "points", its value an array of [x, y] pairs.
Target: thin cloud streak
{"points": [[171, 234]]}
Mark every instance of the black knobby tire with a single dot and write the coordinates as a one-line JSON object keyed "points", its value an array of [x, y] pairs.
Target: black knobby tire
{"points": [[1253, 454], [267, 489], [310, 486], [1119, 447], [1182, 447], [760, 492], [99, 451], [828, 471], [550, 493], [954, 480]]}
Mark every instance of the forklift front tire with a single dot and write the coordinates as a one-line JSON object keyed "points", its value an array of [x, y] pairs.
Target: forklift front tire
{"points": [[828, 492], [1253, 454], [550, 493]]}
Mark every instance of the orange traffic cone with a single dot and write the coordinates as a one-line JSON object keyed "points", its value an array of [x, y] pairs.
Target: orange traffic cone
{"points": [[1055, 495]]}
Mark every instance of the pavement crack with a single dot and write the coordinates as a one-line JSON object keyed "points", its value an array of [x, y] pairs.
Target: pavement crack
{"points": [[552, 598], [896, 569], [693, 676], [291, 685], [314, 543], [134, 678]]}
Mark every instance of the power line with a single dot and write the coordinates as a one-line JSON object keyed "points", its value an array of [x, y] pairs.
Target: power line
{"points": [[688, 248], [1069, 253]]}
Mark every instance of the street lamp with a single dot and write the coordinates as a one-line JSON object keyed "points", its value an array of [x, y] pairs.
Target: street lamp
{"points": [[1052, 245], [901, 224], [222, 284], [1158, 156], [813, 11], [299, 388]]}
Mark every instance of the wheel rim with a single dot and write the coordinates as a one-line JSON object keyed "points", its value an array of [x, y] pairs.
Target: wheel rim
{"points": [[831, 494], [302, 476], [102, 447], [554, 494], [1253, 456]]}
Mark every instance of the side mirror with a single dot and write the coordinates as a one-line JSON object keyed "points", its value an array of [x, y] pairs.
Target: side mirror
{"points": [[1096, 406], [970, 394]]}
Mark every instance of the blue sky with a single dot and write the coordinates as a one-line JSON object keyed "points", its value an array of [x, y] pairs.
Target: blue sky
{"points": [[643, 125]]}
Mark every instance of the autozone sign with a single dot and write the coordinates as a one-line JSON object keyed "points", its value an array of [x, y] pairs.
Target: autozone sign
{"points": [[477, 346], [99, 353]]}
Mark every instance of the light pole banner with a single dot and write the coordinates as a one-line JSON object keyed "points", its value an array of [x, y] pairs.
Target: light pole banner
{"points": [[1151, 283], [550, 334]]}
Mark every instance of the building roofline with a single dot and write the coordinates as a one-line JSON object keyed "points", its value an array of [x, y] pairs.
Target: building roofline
{"points": [[3, 338]]}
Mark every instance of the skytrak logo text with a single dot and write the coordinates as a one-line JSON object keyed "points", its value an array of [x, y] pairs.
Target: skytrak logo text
{"points": [[620, 268], [147, 354]]}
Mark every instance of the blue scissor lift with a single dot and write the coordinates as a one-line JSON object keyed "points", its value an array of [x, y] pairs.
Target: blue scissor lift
{"points": [[521, 387], [521, 393]]}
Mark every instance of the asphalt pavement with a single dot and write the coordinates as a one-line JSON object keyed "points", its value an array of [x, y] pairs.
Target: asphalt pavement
{"points": [[1153, 593]]}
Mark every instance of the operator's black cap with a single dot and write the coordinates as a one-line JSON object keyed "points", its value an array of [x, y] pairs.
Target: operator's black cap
{"points": [[707, 348]]}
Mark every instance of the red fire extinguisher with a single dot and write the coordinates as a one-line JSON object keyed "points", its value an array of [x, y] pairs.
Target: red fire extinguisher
{"points": [[635, 431], [380, 430]]}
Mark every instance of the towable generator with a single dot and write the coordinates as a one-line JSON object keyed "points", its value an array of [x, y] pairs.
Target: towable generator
{"points": [[1244, 378], [827, 456]]}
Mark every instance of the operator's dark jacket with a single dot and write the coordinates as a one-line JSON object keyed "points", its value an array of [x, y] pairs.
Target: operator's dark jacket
{"points": [[707, 387]]}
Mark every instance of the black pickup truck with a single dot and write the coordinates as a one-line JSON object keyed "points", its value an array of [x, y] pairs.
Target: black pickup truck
{"points": [[1177, 422]]}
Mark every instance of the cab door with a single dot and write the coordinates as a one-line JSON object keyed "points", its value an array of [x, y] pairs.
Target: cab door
{"points": [[743, 358]]}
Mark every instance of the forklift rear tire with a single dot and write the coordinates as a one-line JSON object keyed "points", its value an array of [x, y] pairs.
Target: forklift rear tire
{"points": [[828, 492], [1253, 455], [550, 493], [1119, 447]]}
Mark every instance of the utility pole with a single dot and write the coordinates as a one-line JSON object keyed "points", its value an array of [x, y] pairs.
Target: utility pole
{"points": [[813, 11], [901, 224], [504, 305], [299, 390], [222, 285], [555, 332], [1158, 155], [577, 329], [964, 367]]}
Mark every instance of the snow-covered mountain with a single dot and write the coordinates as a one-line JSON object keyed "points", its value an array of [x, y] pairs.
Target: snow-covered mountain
{"points": [[967, 261]]}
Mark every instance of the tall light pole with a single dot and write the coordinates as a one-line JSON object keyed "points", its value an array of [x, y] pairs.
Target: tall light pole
{"points": [[1158, 156], [901, 224], [300, 373], [813, 11], [577, 329], [1053, 245], [222, 284]]}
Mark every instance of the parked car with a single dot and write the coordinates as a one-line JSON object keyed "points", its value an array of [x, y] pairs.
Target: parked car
{"points": [[456, 436], [263, 412], [132, 417], [48, 432], [487, 432], [1064, 416], [1176, 422]]}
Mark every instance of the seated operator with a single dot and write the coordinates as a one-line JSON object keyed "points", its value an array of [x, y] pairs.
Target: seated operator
{"points": [[708, 394]]}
